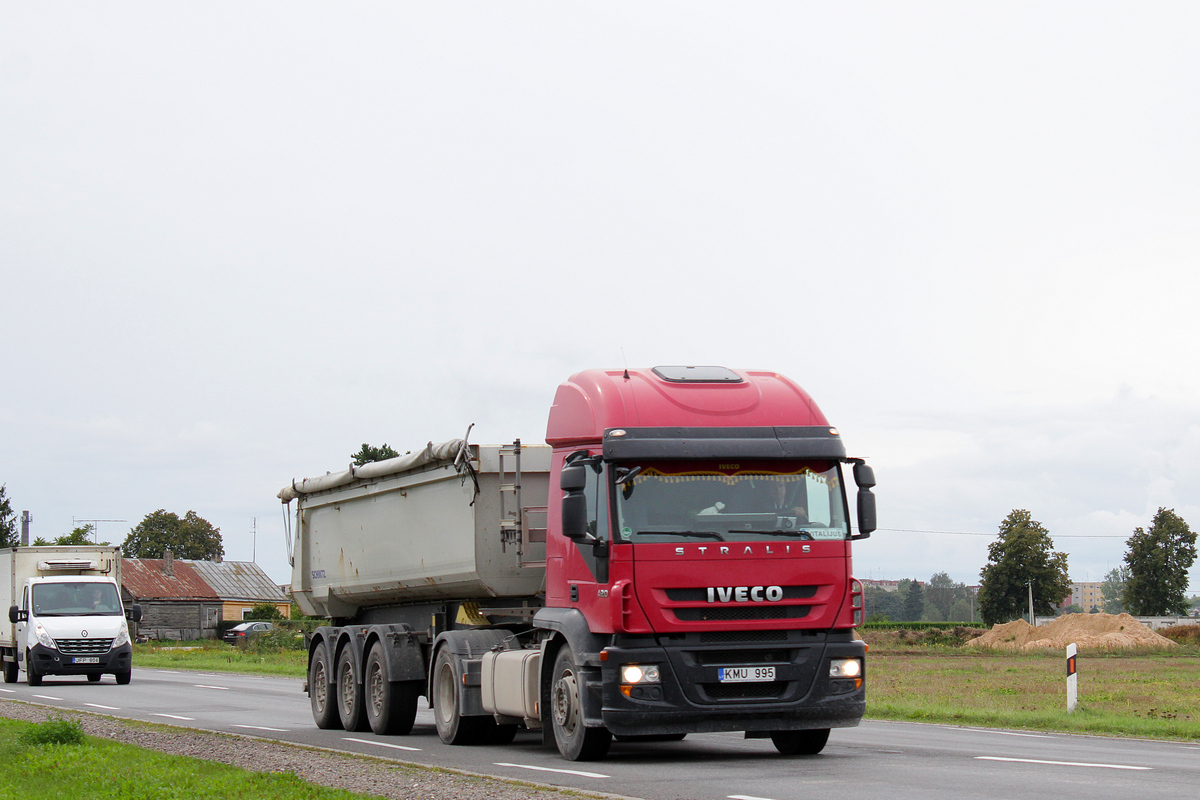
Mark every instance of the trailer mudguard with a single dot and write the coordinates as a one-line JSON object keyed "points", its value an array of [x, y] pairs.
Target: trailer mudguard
{"points": [[468, 648]]}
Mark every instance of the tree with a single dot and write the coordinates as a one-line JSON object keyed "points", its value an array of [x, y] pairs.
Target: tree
{"points": [[914, 601], [882, 605], [942, 593], [8, 521], [1022, 553], [192, 537], [1112, 589], [368, 454], [1159, 560], [80, 535], [960, 611]]}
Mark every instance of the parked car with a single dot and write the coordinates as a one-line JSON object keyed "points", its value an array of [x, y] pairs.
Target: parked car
{"points": [[239, 634]]}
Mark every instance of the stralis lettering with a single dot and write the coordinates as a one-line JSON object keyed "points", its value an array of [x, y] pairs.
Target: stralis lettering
{"points": [[744, 594], [747, 550]]}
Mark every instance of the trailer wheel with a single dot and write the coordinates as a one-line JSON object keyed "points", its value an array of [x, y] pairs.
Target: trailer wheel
{"points": [[12, 670], [452, 727], [800, 743], [575, 741], [352, 708], [391, 705], [324, 710], [32, 676]]}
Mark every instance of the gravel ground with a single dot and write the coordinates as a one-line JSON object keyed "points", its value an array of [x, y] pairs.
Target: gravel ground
{"points": [[360, 774]]}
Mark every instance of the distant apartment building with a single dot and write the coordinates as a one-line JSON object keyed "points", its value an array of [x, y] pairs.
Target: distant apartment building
{"points": [[1086, 595]]}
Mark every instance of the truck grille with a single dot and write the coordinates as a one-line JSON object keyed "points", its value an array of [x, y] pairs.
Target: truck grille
{"points": [[744, 691], [729, 613], [84, 647]]}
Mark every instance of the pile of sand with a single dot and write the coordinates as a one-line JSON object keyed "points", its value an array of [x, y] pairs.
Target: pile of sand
{"points": [[1088, 631]]}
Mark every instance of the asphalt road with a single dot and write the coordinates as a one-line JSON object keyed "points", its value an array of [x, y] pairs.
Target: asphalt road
{"points": [[876, 761]]}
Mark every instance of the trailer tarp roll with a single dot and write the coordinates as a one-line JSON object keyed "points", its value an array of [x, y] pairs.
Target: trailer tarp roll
{"points": [[433, 453]]}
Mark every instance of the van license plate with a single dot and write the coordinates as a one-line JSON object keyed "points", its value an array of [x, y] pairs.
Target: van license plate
{"points": [[745, 674], [86, 660]]}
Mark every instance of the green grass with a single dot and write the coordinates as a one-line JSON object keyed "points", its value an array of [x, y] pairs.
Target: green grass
{"points": [[38, 764], [211, 656]]}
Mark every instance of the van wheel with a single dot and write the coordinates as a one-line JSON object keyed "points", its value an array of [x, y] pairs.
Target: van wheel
{"points": [[93, 677], [452, 727], [32, 676], [324, 710], [351, 708], [391, 705], [800, 743], [575, 741], [123, 678]]}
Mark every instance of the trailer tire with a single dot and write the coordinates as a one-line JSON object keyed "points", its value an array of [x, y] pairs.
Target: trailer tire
{"points": [[452, 727], [12, 671], [575, 741], [800, 743], [123, 677], [32, 676], [324, 709], [352, 707], [391, 705]]}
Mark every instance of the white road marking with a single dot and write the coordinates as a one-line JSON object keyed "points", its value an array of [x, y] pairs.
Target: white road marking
{"points": [[9, 691], [173, 716], [549, 769], [203, 686], [48, 697], [1060, 763], [381, 744], [262, 728], [106, 708], [746, 797], [1009, 733]]}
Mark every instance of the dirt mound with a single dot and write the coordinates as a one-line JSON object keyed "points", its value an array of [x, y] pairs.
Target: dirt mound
{"points": [[1088, 631]]}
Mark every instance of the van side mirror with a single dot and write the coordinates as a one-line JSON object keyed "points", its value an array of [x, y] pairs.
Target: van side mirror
{"points": [[134, 613], [14, 614]]}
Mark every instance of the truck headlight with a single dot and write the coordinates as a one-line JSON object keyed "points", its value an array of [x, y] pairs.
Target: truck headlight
{"points": [[122, 636], [845, 668], [44, 638], [639, 673]]}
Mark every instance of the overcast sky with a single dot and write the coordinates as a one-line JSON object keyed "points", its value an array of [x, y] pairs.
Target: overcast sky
{"points": [[239, 240]]}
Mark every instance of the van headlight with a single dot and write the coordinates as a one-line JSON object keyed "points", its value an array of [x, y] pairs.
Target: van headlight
{"points": [[44, 638], [639, 673], [122, 636], [845, 668]]}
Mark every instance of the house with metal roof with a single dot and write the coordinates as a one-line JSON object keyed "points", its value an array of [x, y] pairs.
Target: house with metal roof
{"points": [[183, 599]]}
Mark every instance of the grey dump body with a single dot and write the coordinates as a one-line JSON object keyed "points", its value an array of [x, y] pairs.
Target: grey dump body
{"points": [[445, 524]]}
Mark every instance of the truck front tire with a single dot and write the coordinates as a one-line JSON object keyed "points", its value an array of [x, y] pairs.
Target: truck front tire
{"points": [[324, 710], [575, 741], [391, 705], [351, 707], [800, 743]]}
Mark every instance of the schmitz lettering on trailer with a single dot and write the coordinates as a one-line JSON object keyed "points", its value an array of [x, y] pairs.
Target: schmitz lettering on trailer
{"points": [[746, 550]]}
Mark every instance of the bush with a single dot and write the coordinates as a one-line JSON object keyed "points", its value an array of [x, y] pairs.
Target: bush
{"points": [[1181, 634], [55, 730]]}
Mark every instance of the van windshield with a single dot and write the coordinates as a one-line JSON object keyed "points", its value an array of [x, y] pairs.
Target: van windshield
{"points": [[733, 502], [76, 599]]}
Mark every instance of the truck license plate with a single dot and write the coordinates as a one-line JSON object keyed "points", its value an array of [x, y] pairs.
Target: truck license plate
{"points": [[745, 674], [86, 660]]}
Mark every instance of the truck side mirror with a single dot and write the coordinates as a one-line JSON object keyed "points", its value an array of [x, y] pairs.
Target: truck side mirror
{"points": [[574, 515], [14, 614], [864, 476], [134, 614], [866, 513], [573, 478]]}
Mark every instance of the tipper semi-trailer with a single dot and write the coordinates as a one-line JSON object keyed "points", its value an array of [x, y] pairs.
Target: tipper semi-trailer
{"points": [[676, 559], [64, 606]]}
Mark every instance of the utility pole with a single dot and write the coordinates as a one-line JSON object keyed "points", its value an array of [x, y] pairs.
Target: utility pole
{"points": [[254, 542], [26, 518], [1030, 585]]}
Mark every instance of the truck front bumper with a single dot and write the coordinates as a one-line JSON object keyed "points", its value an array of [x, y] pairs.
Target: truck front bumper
{"points": [[50, 661], [690, 696]]}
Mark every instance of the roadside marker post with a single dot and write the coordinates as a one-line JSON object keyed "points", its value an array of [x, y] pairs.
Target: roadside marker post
{"points": [[1072, 678]]}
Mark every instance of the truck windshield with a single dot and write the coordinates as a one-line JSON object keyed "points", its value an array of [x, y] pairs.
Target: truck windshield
{"points": [[735, 502], [76, 599]]}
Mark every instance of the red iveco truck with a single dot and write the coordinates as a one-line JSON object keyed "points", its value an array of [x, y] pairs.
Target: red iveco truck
{"points": [[676, 559]]}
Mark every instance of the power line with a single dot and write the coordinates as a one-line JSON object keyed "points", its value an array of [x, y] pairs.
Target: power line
{"points": [[977, 533]]}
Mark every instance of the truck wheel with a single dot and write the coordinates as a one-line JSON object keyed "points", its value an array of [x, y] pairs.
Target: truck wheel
{"points": [[123, 678], [32, 676], [351, 708], [391, 705], [12, 670], [800, 743], [452, 727], [575, 741], [324, 710]]}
